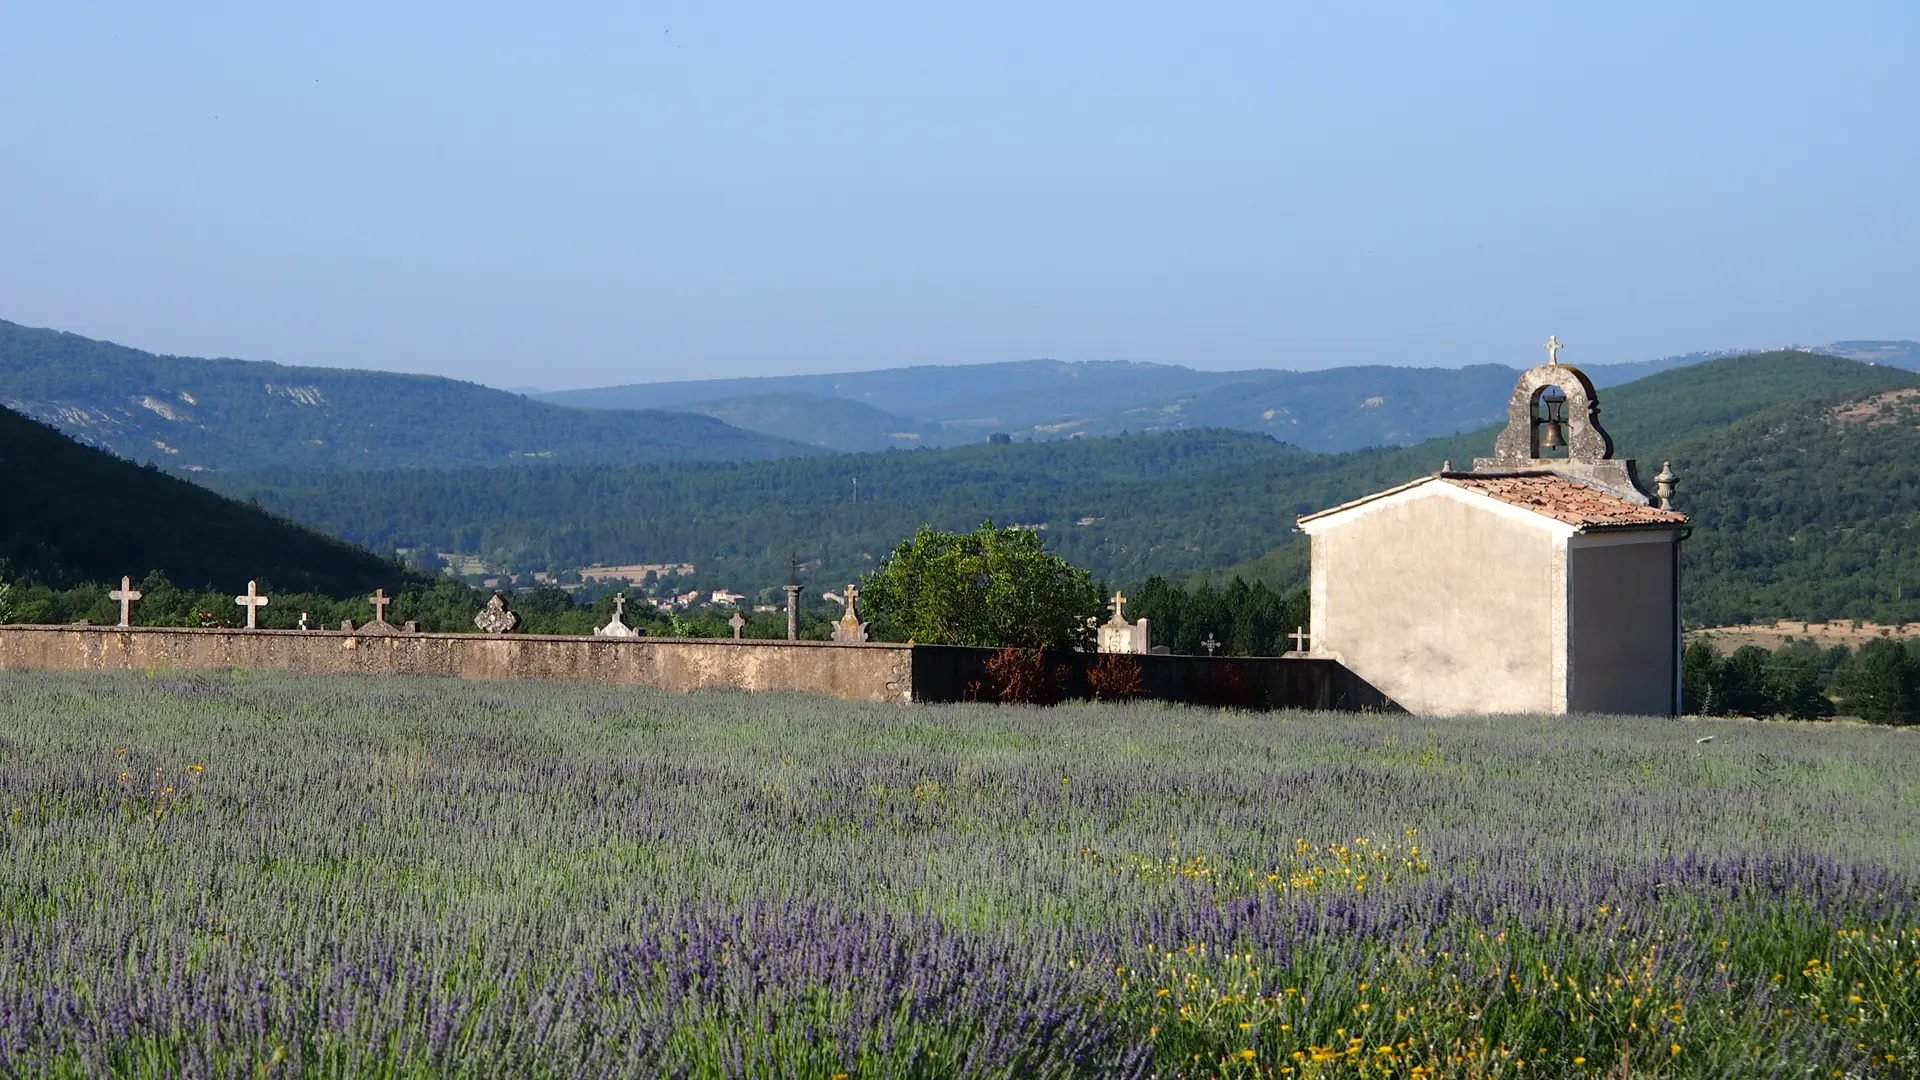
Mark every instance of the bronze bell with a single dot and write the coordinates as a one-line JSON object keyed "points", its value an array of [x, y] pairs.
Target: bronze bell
{"points": [[1551, 438]]}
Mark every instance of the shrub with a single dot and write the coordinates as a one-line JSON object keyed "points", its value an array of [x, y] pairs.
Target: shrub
{"points": [[1116, 677], [1022, 676]]}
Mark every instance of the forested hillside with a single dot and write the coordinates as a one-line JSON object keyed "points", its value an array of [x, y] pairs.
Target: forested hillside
{"points": [[188, 414], [75, 514], [1793, 508]]}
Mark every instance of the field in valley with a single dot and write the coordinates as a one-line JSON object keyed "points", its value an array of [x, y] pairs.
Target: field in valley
{"points": [[256, 875]]}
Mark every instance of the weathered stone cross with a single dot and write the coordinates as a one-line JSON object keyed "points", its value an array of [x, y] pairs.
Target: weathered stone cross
{"points": [[1210, 645], [1119, 607], [126, 594], [738, 624], [253, 602], [1300, 638], [380, 600], [1553, 348]]}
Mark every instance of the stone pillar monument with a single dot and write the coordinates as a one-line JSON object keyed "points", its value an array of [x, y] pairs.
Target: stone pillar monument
{"points": [[793, 599]]}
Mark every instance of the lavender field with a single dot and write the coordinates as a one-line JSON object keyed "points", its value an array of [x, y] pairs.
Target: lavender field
{"points": [[258, 875]]}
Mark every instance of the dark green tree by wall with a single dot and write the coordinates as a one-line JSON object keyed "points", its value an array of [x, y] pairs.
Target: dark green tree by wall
{"points": [[992, 587]]}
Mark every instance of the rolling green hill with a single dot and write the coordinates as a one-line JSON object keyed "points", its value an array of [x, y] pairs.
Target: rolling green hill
{"points": [[76, 514], [189, 415], [1793, 509]]}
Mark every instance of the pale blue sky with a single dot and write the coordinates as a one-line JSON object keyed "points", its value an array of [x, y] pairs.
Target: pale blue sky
{"points": [[575, 195]]}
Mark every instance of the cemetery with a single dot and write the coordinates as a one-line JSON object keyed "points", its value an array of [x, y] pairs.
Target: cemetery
{"points": [[1551, 583]]}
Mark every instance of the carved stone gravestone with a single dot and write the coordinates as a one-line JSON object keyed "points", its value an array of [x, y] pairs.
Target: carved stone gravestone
{"points": [[495, 618], [850, 630], [1119, 635]]}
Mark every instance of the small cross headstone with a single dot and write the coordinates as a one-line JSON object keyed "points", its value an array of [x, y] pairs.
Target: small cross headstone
{"points": [[380, 600], [303, 620], [738, 623], [1210, 645], [126, 594], [617, 626], [1300, 639], [253, 602]]}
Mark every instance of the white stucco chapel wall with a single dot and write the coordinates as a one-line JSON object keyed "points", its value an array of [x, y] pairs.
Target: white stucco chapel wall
{"points": [[1453, 602]]}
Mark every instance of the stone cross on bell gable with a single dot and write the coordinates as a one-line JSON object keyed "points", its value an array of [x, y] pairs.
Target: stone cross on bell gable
{"points": [[253, 602], [1553, 348], [126, 594]]}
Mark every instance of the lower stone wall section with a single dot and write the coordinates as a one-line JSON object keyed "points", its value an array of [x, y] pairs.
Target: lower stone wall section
{"points": [[956, 673], [875, 672]]}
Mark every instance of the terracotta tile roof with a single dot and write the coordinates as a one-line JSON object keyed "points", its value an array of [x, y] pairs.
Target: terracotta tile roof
{"points": [[1567, 500]]}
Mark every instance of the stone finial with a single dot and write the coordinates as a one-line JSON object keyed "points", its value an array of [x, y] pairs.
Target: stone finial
{"points": [[1663, 485], [495, 618], [126, 594], [253, 602]]}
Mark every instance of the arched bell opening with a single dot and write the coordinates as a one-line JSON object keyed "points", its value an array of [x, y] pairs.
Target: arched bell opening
{"points": [[1552, 430]]}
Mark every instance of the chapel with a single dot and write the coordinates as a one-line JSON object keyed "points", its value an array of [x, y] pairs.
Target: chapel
{"points": [[1543, 580]]}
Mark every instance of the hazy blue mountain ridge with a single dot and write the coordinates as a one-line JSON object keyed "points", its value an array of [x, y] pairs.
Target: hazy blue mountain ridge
{"points": [[1332, 410], [189, 414]]}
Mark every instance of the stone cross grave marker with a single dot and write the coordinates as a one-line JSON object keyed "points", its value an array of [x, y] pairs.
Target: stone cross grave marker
{"points": [[1210, 645], [253, 602], [126, 594], [738, 623], [495, 618], [1300, 639], [380, 600], [850, 630], [617, 626]]}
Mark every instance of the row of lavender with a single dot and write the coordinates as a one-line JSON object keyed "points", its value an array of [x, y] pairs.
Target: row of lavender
{"points": [[249, 875]]}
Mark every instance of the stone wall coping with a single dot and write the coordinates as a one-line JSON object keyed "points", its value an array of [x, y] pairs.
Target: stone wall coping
{"points": [[103, 628]]}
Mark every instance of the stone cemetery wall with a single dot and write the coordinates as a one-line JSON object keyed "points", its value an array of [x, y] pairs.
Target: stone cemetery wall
{"points": [[865, 672], [870, 672]]}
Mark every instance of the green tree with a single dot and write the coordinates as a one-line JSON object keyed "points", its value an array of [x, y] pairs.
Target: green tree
{"points": [[1882, 685], [1743, 686], [1700, 668], [992, 587]]}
